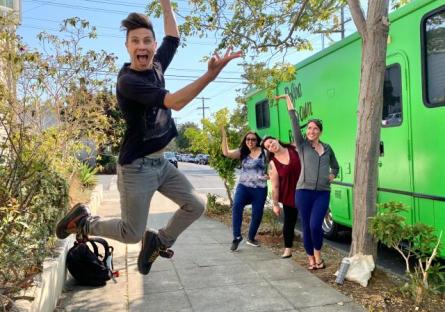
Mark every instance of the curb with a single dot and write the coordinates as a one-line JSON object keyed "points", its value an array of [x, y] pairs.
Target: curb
{"points": [[48, 285]]}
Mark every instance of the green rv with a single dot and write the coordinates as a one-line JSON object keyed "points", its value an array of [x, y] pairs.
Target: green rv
{"points": [[412, 148]]}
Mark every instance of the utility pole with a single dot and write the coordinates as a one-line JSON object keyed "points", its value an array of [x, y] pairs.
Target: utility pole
{"points": [[203, 107], [342, 16], [341, 30]]}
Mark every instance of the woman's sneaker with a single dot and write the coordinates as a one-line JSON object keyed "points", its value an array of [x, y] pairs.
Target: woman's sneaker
{"points": [[235, 243], [73, 222], [253, 242]]}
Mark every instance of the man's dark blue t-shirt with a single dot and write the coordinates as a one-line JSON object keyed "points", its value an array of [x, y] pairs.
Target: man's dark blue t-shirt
{"points": [[140, 95]]}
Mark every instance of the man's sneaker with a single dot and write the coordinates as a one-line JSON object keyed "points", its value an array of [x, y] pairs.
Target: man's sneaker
{"points": [[235, 243], [151, 249], [253, 242], [73, 222]]}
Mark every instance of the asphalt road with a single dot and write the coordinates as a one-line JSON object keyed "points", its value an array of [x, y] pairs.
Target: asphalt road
{"points": [[204, 178]]}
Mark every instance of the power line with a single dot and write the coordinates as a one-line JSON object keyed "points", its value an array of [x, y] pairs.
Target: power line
{"points": [[121, 3], [59, 22], [110, 35], [79, 7], [95, 9], [223, 91], [230, 80]]}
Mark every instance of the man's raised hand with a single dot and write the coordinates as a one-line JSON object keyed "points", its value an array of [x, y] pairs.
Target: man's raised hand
{"points": [[217, 63]]}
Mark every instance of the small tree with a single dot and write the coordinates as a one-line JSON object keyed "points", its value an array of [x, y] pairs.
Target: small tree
{"points": [[182, 141], [374, 34], [209, 141], [59, 88], [391, 229]]}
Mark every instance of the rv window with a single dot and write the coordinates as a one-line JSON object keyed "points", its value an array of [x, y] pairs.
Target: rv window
{"points": [[434, 59], [392, 97], [262, 114]]}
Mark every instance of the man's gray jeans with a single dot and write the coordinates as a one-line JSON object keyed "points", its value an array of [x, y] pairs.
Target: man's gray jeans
{"points": [[137, 183]]}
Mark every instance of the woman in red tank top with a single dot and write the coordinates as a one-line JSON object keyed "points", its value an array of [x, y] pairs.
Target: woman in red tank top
{"points": [[284, 171]]}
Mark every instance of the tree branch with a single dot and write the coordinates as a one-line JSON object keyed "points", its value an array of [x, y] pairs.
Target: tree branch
{"points": [[405, 257], [296, 20], [430, 260], [358, 16]]}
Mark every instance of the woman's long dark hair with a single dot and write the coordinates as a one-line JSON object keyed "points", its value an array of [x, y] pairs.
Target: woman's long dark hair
{"points": [[270, 155], [244, 150]]}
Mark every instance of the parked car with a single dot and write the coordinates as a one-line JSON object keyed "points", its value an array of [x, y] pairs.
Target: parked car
{"points": [[170, 156], [202, 159], [189, 158], [179, 157]]}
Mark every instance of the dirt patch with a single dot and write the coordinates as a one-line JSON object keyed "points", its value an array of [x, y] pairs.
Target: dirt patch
{"points": [[382, 293]]}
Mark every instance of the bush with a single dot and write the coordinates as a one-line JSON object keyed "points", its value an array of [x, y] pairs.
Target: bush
{"points": [[215, 207], [36, 156], [390, 229], [28, 215], [107, 164], [87, 175]]}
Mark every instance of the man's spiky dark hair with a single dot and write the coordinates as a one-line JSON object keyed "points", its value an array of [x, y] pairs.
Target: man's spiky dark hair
{"points": [[135, 21]]}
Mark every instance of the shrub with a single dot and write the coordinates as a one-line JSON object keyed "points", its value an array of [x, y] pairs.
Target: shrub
{"points": [[215, 207], [36, 156], [390, 228], [28, 214], [107, 164], [87, 175]]}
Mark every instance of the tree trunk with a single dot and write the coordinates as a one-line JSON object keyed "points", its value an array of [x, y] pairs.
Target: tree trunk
{"points": [[229, 193], [374, 32]]}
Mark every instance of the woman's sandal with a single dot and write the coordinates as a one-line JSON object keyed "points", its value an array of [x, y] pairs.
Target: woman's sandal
{"points": [[311, 267], [319, 265]]}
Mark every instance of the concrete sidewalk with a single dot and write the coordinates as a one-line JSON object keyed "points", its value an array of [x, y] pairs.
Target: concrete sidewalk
{"points": [[203, 275]]}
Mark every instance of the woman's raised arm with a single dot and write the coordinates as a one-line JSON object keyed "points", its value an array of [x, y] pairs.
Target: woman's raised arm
{"points": [[234, 154], [298, 137]]}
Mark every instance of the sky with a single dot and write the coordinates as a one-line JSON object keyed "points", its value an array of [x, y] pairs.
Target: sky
{"points": [[187, 65]]}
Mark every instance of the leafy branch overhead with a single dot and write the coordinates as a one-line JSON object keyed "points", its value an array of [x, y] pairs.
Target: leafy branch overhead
{"points": [[258, 27], [255, 25]]}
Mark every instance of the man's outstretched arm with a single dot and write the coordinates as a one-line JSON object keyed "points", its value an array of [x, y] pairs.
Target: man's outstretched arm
{"points": [[182, 97], [170, 26]]}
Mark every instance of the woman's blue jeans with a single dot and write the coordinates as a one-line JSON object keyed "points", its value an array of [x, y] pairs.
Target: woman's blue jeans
{"points": [[245, 195]]}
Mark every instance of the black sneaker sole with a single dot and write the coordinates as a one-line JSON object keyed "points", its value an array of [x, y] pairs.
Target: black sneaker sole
{"points": [[77, 211]]}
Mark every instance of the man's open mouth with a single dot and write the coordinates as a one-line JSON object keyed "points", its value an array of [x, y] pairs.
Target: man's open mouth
{"points": [[142, 58]]}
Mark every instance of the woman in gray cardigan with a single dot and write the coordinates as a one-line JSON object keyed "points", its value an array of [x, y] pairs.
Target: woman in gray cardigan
{"points": [[319, 168]]}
